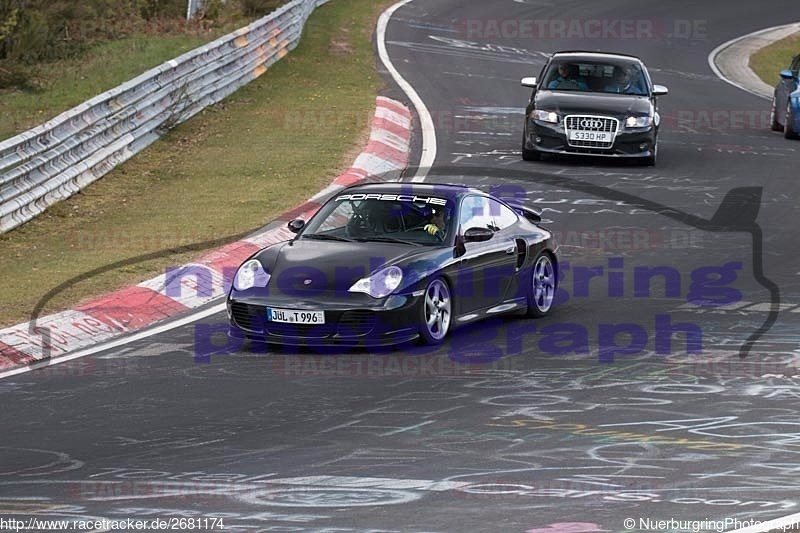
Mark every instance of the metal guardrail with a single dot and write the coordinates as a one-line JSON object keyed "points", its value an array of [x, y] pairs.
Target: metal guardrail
{"points": [[58, 158]]}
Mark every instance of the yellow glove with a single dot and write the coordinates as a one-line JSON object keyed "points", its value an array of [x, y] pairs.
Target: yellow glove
{"points": [[431, 228]]}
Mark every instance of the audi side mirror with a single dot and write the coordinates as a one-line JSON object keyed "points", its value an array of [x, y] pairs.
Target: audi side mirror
{"points": [[659, 90]]}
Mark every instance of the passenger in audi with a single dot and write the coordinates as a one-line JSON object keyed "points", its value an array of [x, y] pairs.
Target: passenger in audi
{"points": [[625, 82]]}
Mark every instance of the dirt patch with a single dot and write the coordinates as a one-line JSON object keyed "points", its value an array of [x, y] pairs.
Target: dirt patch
{"points": [[340, 44]]}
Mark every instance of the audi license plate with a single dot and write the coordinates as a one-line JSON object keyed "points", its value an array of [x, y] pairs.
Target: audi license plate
{"points": [[581, 135], [295, 316]]}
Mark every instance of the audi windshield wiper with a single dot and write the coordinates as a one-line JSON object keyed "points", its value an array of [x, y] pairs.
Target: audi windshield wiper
{"points": [[325, 237]]}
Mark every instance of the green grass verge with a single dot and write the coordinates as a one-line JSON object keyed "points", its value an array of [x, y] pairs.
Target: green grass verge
{"points": [[770, 60], [230, 169]]}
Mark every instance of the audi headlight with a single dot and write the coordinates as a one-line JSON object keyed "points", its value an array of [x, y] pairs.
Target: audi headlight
{"points": [[545, 116], [250, 274], [638, 122], [379, 284]]}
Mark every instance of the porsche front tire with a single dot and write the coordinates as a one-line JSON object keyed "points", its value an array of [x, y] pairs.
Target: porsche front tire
{"points": [[436, 312], [541, 286]]}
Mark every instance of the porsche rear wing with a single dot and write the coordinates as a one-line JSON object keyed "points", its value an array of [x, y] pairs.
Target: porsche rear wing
{"points": [[534, 214]]}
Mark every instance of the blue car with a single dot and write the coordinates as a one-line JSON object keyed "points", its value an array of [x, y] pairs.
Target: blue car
{"points": [[785, 114]]}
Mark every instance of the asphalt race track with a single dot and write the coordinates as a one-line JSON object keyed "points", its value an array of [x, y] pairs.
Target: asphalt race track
{"points": [[512, 425]]}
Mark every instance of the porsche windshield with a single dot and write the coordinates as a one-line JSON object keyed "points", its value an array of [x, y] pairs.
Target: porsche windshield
{"points": [[383, 218]]}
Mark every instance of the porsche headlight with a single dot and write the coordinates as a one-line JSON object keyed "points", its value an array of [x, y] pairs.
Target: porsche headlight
{"points": [[545, 116], [379, 284], [250, 274], [638, 122]]}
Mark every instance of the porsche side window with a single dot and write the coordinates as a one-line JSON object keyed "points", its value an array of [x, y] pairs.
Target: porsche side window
{"points": [[465, 215], [502, 215], [476, 213]]}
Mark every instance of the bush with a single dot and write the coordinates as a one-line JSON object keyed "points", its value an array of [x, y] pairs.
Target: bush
{"points": [[33, 31], [151, 9], [36, 31], [13, 75], [259, 8]]}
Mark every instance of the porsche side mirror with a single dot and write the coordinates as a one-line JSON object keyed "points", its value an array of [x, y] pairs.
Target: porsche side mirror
{"points": [[787, 74], [528, 82], [478, 235], [296, 225], [659, 90]]}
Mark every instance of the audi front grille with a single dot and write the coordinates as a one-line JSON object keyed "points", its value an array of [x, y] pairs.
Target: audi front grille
{"points": [[590, 124]]}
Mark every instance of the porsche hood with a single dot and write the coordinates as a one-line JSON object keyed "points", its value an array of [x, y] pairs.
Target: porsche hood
{"points": [[305, 265]]}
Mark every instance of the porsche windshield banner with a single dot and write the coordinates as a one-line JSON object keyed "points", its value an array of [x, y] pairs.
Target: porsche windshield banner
{"points": [[393, 198]]}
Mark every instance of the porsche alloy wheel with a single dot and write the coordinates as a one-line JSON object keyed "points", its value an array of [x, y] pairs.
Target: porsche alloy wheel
{"points": [[542, 288], [436, 312]]}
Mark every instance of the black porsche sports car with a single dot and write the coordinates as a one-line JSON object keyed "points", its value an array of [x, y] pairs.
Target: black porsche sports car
{"points": [[592, 103], [381, 264]]}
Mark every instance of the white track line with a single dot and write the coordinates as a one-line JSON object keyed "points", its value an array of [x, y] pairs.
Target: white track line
{"points": [[426, 122]]}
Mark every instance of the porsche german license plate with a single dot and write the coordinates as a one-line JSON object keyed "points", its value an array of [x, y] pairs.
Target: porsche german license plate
{"points": [[581, 135], [295, 316]]}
